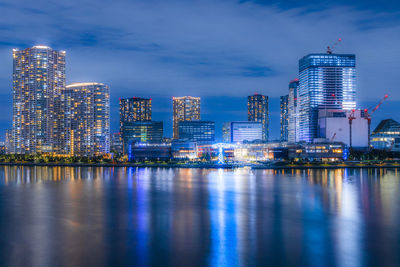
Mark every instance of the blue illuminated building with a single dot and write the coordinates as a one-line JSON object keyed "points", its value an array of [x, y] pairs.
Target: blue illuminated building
{"points": [[325, 81], [197, 131]]}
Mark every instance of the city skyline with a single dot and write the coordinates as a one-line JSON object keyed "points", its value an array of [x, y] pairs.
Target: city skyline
{"points": [[135, 98], [162, 57], [148, 106]]}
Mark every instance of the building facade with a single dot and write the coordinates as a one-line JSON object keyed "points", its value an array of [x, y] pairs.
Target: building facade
{"points": [[134, 109], [142, 132], [248, 131], [186, 108], [333, 125], [293, 120], [326, 81], [226, 132], [197, 131], [284, 117], [386, 136], [258, 111], [38, 79], [86, 123]]}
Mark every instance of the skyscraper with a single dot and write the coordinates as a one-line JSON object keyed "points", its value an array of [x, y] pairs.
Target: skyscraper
{"points": [[134, 109], [87, 119], [284, 118], [257, 110], [186, 108], [293, 115], [38, 79], [327, 81]]}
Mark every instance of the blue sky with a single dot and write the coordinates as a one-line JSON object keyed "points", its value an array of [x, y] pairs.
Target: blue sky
{"points": [[220, 50]]}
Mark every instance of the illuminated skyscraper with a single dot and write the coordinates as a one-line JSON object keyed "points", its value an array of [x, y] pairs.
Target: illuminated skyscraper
{"points": [[38, 79], [87, 119], [186, 108], [134, 109], [293, 115], [327, 81], [257, 110], [284, 119]]}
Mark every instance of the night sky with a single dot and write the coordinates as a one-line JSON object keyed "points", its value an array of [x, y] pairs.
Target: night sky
{"points": [[221, 51]]}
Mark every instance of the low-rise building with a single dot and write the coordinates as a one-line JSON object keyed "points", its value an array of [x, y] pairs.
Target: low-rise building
{"points": [[242, 131], [327, 151], [142, 132], [197, 131], [386, 136], [149, 151], [184, 150]]}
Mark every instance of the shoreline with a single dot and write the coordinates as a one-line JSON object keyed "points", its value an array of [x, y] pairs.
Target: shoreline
{"points": [[206, 166]]}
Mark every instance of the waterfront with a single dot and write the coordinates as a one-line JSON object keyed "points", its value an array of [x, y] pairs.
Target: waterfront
{"points": [[104, 216]]}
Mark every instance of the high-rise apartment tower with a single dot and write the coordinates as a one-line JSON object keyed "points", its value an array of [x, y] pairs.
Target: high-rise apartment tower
{"points": [[257, 110], [186, 108], [38, 79]]}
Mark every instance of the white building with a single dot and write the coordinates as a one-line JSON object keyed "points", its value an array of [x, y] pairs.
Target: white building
{"points": [[333, 124]]}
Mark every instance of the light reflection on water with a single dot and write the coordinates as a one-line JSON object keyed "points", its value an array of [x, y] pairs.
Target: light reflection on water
{"points": [[198, 217]]}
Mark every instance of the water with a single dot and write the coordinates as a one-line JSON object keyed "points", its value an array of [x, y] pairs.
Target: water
{"points": [[64, 216]]}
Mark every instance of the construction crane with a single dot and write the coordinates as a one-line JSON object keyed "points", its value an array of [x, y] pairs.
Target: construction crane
{"points": [[331, 47], [333, 137], [351, 118], [367, 116]]}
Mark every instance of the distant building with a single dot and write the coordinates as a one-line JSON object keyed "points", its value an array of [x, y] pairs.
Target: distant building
{"points": [[226, 132], [186, 108], [197, 131], [241, 131], [142, 132], [324, 151], [38, 79], [184, 149], [284, 118], [141, 152], [86, 123], [326, 81], [116, 145], [8, 141], [134, 109], [258, 111], [293, 116], [334, 126], [386, 136]]}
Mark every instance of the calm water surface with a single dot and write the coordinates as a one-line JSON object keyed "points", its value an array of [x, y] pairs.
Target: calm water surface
{"points": [[64, 216]]}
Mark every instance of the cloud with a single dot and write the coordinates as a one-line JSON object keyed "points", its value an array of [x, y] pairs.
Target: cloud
{"points": [[204, 48]]}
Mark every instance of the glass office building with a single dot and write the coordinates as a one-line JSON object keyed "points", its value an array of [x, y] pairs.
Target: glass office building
{"points": [[38, 78], [197, 131], [325, 81], [186, 108], [386, 136], [142, 132], [257, 110], [246, 131], [284, 118]]}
